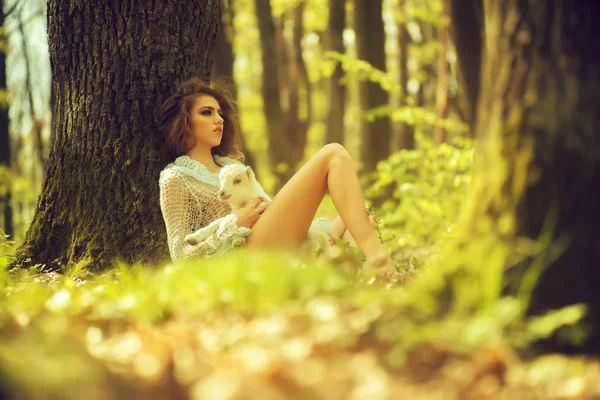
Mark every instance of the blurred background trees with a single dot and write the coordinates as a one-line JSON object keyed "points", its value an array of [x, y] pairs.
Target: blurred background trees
{"points": [[361, 73], [377, 76], [24, 111]]}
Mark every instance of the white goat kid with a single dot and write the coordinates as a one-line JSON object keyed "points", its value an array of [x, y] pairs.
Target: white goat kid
{"points": [[240, 187]]}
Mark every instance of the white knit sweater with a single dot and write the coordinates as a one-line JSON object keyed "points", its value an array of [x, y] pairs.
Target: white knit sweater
{"points": [[188, 201]]}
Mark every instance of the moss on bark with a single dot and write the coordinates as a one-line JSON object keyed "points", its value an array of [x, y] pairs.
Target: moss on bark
{"points": [[538, 158]]}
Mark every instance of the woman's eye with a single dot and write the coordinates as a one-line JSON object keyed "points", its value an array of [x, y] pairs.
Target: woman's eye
{"points": [[236, 181], [206, 112]]}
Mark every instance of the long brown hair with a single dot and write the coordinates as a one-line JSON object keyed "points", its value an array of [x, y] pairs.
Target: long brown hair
{"points": [[174, 122]]}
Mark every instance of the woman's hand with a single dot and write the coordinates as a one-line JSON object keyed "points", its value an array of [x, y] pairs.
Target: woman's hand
{"points": [[249, 214]]}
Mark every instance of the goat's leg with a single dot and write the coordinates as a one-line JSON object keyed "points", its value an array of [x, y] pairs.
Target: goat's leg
{"points": [[286, 221], [202, 233]]}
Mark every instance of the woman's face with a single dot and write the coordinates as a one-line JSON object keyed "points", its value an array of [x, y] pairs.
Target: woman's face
{"points": [[206, 122]]}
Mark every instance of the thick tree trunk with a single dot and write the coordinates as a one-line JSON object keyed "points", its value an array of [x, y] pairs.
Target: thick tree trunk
{"points": [[337, 92], [112, 67], [370, 46], [5, 200], [404, 136], [279, 143], [539, 134], [223, 65]]}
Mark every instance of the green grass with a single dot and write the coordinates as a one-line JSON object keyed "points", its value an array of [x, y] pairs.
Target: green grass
{"points": [[280, 325]]}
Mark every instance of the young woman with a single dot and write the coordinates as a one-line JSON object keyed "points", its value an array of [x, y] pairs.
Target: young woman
{"points": [[199, 125]]}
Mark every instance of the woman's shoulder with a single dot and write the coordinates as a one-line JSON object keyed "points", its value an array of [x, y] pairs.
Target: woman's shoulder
{"points": [[184, 168], [168, 174], [174, 170]]}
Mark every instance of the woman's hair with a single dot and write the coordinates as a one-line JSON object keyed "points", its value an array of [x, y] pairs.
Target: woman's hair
{"points": [[174, 121]]}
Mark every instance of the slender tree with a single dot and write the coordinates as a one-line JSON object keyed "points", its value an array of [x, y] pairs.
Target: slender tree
{"points": [[443, 77], [467, 31], [337, 92], [404, 136], [223, 63], [5, 199], [38, 123], [538, 128], [279, 142], [112, 64], [299, 104], [370, 46]]}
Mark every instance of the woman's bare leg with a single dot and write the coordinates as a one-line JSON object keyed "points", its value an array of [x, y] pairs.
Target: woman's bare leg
{"points": [[287, 219], [339, 231]]}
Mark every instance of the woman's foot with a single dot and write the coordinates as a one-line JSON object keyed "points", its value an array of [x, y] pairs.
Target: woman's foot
{"points": [[383, 267]]}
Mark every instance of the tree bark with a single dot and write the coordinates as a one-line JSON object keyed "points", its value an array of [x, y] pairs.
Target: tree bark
{"points": [[538, 160], [279, 143], [370, 46], [112, 67], [6, 199], [337, 92]]}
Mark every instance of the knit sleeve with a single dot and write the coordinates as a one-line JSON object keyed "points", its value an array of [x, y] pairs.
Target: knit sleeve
{"points": [[183, 215]]}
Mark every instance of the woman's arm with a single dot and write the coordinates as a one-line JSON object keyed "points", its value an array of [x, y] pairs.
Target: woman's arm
{"points": [[181, 213]]}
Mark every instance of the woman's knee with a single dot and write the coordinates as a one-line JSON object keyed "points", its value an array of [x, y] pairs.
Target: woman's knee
{"points": [[334, 153]]}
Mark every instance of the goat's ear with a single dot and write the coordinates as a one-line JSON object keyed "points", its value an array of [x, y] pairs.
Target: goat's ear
{"points": [[249, 172]]}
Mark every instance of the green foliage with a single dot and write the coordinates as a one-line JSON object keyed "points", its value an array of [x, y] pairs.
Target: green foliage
{"points": [[245, 300], [20, 186], [432, 13], [23, 198], [4, 98], [460, 291], [357, 69], [242, 281], [456, 301], [6, 251], [6, 178], [417, 116], [420, 192]]}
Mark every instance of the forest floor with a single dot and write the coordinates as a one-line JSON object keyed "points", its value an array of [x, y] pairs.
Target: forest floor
{"points": [[240, 332]]}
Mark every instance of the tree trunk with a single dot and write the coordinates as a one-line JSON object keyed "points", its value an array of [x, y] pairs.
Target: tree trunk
{"points": [[299, 90], [5, 200], [539, 143], [337, 92], [112, 67], [370, 46], [467, 30], [223, 65], [443, 76], [404, 136], [38, 124], [279, 143]]}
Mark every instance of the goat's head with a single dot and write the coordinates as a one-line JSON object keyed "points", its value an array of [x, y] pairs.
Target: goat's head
{"points": [[237, 184]]}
